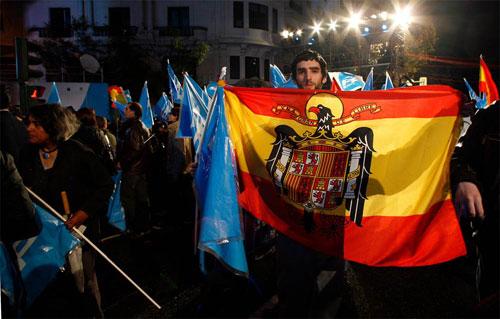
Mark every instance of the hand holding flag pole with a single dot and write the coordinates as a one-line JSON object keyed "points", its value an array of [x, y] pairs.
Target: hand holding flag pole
{"points": [[88, 241]]}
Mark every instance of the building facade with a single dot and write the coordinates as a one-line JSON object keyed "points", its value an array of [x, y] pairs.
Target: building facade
{"points": [[242, 35]]}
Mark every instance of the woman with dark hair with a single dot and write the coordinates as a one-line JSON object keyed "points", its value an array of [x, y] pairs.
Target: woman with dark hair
{"points": [[52, 165]]}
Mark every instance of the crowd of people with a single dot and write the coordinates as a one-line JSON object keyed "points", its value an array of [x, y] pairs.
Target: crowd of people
{"points": [[69, 158]]}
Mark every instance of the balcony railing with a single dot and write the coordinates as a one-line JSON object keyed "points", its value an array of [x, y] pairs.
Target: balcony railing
{"points": [[107, 31], [179, 31], [50, 32]]}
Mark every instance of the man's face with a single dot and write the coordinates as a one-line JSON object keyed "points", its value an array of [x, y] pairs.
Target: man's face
{"points": [[129, 113], [309, 75], [172, 118]]}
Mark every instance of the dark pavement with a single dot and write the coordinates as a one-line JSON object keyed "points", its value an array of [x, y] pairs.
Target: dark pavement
{"points": [[163, 264]]}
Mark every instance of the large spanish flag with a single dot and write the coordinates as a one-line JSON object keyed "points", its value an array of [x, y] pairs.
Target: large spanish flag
{"points": [[361, 175]]}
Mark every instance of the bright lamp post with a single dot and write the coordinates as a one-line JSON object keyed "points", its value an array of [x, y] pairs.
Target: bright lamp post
{"points": [[395, 24]]}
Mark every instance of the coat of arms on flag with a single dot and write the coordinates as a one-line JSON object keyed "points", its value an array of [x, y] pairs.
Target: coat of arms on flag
{"points": [[319, 169], [360, 175]]}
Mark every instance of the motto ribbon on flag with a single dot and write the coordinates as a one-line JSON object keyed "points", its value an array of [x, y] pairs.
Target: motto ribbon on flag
{"points": [[359, 175]]}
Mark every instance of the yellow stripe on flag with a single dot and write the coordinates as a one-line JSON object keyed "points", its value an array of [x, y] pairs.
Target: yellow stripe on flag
{"points": [[409, 164]]}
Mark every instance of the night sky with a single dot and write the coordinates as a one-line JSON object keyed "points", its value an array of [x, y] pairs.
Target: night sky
{"points": [[466, 29]]}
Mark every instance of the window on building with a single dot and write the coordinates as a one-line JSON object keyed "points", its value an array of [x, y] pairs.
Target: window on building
{"points": [[252, 67], [234, 67], [238, 16], [275, 20], [60, 22], [266, 69], [258, 17], [119, 20], [178, 17]]}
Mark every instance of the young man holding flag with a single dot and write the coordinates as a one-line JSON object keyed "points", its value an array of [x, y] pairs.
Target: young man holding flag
{"points": [[298, 266]]}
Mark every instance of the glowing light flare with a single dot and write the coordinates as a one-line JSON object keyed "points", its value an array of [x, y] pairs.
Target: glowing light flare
{"points": [[332, 26], [316, 28], [285, 34], [298, 32], [383, 15], [403, 17], [354, 20]]}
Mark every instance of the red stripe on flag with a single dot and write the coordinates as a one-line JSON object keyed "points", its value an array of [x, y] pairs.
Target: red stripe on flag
{"points": [[418, 240], [417, 102], [407, 241]]}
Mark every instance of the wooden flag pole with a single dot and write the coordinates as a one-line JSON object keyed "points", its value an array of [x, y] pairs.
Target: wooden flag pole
{"points": [[88, 241]]}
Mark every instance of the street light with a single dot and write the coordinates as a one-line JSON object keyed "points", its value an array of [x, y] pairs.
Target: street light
{"points": [[354, 20], [285, 34], [316, 28], [402, 17], [332, 26]]}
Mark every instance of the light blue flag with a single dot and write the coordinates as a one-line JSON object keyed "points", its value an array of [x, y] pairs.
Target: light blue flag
{"points": [[97, 98], [481, 102], [200, 92], [128, 96], [194, 113], [388, 82], [147, 113], [348, 81], [54, 97], [121, 109], [8, 277], [116, 212], [369, 82], [215, 182], [41, 257], [163, 108], [174, 84], [212, 88], [290, 84], [278, 80]]}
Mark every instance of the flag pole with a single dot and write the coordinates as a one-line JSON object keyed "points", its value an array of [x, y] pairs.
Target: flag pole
{"points": [[88, 241]]}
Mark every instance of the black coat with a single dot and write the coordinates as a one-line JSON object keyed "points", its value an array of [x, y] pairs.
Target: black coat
{"points": [[78, 172], [134, 151], [94, 139], [16, 209], [13, 134], [477, 161]]}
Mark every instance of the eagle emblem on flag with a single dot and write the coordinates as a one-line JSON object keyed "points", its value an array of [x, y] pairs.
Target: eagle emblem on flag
{"points": [[322, 169]]}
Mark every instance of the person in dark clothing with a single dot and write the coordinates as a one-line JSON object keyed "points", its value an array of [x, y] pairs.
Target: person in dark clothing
{"points": [[133, 153], [89, 135], [298, 266], [12, 133], [102, 124], [53, 164], [475, 177], [158, 174], [17, 222]]}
